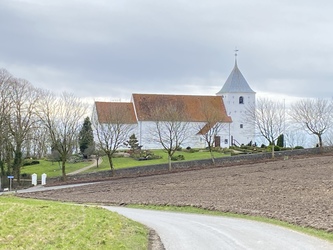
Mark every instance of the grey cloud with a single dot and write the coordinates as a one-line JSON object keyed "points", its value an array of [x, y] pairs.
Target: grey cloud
{"points": [[115, 48]]}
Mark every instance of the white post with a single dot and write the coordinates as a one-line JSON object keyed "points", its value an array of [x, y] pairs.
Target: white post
{"points": [[34, 179], [44, 179]]}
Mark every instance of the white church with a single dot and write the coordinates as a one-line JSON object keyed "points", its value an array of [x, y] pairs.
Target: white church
{"points": [[231, 103]]}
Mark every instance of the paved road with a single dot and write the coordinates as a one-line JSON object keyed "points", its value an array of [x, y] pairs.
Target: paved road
{"points": [[191, 231]]}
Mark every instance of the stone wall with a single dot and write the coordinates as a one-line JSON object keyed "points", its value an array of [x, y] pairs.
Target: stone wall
{"points": [[189, 165]]}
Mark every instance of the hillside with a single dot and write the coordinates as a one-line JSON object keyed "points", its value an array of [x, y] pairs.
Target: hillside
{"points": [[299, 191]]}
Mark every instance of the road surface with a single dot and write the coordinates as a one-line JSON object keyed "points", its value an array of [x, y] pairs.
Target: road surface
{"points": [[192, 231]]}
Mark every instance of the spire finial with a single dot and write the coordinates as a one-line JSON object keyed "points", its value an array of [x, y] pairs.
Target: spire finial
{"points": [[236, 50]]}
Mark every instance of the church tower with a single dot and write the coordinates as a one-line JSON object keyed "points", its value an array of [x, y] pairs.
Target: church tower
{"points": [[238, 98]]}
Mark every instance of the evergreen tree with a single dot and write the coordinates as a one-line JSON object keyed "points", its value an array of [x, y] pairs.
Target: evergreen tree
{"points": [[86, 138], [280, 141], [132, 143]]}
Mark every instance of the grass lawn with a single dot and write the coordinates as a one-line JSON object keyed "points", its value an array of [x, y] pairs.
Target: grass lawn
{"points": [[52, 169], [126, 162], [35, 224]]}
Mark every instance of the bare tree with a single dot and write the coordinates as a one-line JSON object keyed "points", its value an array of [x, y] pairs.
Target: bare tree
{"points": [[268, 118], [5, 143], [214, 121], [295, 137], [314, 116], [22, 118], [113, 123], [171, 127], [62, 116]]}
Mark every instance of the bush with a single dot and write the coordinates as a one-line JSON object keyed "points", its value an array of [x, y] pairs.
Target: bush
{"points": [[191, 150], [76, 158], [298, 147], [25, 176], [276, 148], [28, 163], [178, 158], [145, 155]]}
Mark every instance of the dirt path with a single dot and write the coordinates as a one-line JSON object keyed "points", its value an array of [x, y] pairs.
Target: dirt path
{"points": [[299, 191], [94, 164]]}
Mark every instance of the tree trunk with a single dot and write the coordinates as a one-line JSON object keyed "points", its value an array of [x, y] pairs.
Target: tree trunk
{"points": [[111, 164], [212, 156], [17, 164], [320, 141], [63, 169], [169, 161]]}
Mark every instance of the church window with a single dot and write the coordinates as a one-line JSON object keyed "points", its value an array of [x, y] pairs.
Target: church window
{"points": [[241, 100], [241, 126]]}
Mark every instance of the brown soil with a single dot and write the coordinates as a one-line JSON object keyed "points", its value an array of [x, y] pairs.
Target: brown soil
{"points": [[299, 191]]}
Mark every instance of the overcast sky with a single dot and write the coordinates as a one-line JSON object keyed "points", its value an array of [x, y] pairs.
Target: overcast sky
{"points": [[109, 49]]}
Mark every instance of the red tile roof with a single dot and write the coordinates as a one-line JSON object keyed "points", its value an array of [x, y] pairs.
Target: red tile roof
{"points": [[115, 112], [197, 108]]}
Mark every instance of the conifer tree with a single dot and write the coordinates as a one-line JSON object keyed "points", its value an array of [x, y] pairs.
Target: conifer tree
{"points": [[86, 138]]}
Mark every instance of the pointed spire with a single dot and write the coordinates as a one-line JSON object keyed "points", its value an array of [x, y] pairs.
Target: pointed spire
{"points": [[236, 82], [236, 50]]}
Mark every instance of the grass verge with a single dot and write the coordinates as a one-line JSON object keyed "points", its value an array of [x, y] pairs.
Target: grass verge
{"points": [[35, 224], [188, 209]]}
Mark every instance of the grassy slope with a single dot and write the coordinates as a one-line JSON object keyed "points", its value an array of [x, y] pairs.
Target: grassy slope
{"points": [[52, 169], [125, 162], [34, 224]]}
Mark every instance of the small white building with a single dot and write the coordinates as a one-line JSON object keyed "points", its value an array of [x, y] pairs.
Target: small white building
{"points": [[238, 98]]}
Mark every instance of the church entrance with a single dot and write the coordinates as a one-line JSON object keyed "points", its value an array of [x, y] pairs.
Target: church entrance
{"points": [[217, 141]]}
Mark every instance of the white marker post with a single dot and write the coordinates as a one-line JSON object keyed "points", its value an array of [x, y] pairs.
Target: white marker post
{"points": [[10, 177], [44, 179], [34, 179]]}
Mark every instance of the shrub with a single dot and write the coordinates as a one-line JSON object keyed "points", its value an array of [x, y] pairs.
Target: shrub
{"points": [[145, 155], [298, 147], [25, 176], [28, 162], [178, 158]]}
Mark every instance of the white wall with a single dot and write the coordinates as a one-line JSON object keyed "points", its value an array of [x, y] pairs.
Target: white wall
{"points": [[238, 112]]}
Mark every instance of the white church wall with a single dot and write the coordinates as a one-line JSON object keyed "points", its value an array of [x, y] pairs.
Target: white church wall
{"points": [[146, 130], [237, 104]]}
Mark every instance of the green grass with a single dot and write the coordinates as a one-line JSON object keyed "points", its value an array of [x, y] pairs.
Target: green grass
{"points": [[52, 169], [34, 224], [188, 209], [127, 162]]}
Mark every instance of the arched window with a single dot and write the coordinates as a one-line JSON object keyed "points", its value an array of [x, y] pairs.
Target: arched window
{"points": [[241, 100]]}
